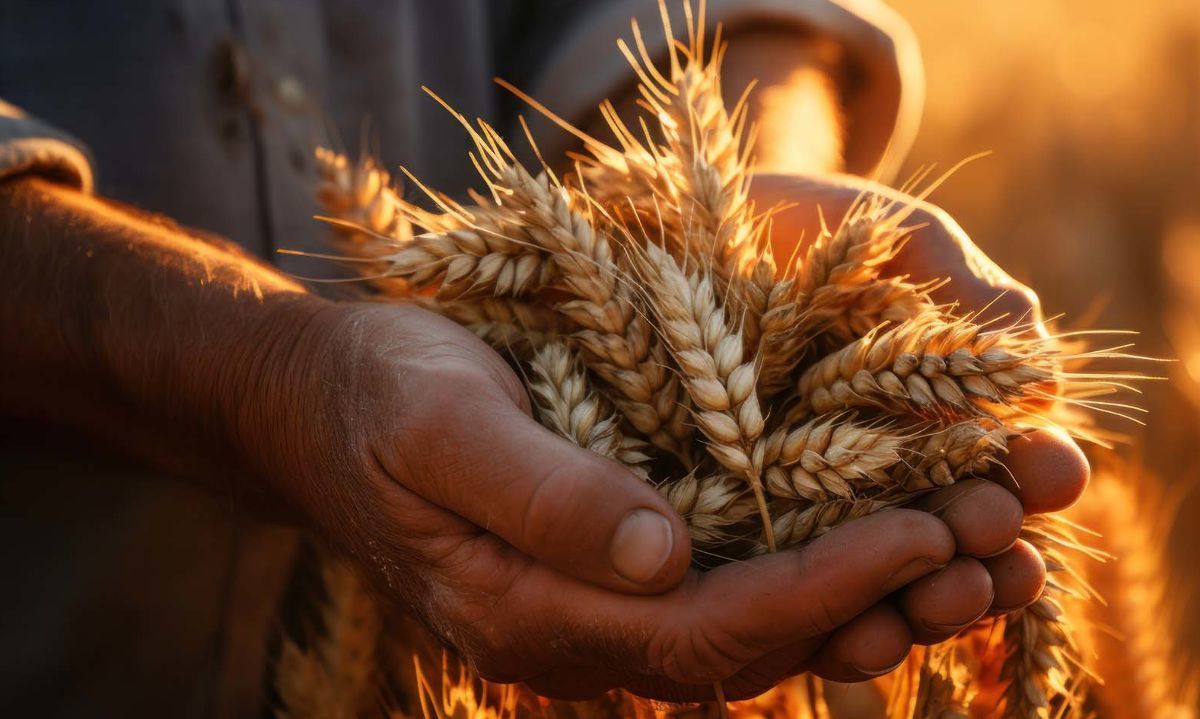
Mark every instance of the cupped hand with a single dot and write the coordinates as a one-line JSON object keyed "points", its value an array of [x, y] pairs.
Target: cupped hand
{"points": [[409, 444], [1044, 470]]}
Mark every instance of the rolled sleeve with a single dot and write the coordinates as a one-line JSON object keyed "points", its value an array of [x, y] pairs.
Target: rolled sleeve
{"points": [[29, 146], [883, 107]]}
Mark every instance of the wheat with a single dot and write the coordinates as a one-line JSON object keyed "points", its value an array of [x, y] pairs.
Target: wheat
{"points": [[567, 404], [359, 193], [507, 325], [713, 506], [1044, 665], [335, 678], [718, 378], [931, 366], [840, 275], [639, 299], [944, 686], [797, 521], [964, 449], [830, 456]]}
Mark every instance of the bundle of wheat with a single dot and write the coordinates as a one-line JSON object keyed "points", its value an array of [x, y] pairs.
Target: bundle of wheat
{"points": [[768, 401]]}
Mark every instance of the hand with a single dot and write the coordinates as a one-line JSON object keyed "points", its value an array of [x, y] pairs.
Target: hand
{"points": [[1044, 471], [407, 442]]}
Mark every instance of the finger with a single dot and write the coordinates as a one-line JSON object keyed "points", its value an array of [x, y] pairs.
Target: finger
{"points": [[1018, 575], [874, 643], [721, 621], [576, 511], [984, 517], [1045, 469], [939, 606], [936, 249]]}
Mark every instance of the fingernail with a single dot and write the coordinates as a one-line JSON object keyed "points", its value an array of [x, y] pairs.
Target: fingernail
{"points": [[915, 569], [951, 628], [641, 545], [871, 672]]}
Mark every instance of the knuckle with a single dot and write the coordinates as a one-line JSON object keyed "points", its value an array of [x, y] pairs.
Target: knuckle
{"points": [[550, 510], [822, 617], [927, 535]]}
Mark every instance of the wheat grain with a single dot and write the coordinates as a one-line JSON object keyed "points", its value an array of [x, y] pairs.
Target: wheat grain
{"points": [[796, 522]]}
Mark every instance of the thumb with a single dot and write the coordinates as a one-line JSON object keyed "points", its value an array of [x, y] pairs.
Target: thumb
{"points": [[572, 509]]}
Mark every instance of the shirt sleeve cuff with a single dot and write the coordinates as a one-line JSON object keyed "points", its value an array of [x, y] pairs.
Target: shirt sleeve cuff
{"points": [[29, 146], [883, 111]]}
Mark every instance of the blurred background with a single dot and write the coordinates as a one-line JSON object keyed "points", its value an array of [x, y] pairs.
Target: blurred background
{"points": [[1092, 195]]}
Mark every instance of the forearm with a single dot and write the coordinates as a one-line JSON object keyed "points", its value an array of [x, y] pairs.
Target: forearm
{"points": [[134, 331]]}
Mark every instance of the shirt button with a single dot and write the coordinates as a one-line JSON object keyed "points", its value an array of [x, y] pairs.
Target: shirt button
{"points": [[290, 92]]}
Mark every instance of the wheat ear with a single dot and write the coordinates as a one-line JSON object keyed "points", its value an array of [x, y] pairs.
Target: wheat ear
{"points": [[941, 457], [358, 193], [1044, 665], [930, 366], [830, 456], [336, 677], [567, 405], [507, 325], [944, 687], [619, 346], [711, 357], [840, 275], [712, 505]]}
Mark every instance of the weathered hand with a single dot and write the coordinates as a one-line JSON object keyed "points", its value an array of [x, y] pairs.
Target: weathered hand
{"points": [[1044, 471], [409, 444]]}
